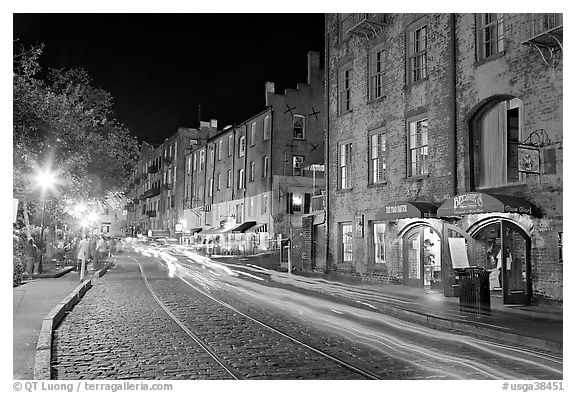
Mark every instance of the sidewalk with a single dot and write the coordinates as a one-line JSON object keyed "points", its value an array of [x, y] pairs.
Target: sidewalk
{"points": [[32, 301]]}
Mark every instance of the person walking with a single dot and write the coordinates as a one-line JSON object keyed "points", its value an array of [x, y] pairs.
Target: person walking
{"points": [[83, 251], [30, 255], [101, 252]]}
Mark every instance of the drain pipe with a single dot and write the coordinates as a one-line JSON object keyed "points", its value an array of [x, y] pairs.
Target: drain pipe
{"points": [[453, 141], [327, 144]]}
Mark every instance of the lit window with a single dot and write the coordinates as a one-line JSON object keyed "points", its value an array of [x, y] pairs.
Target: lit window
{"points": [[418, 148], [230, 144], [210, 187], [220, 143], [345, 165], [218, 182], [297, 203], [252, 169], [379, 246], [229, 178], [346, 250], [298, 127], [242, 145], [377, 162], [264, 206], [240, 179], [267, 127], [202, 153], [297, 162], [265, 166]]}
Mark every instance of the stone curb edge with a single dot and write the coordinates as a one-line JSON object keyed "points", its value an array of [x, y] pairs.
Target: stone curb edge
{"points": [[44, 348], [471, 327], [43, 361]]}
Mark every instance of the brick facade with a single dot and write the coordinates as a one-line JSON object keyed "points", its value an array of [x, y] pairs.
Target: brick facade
{"points": [[458, 87]]}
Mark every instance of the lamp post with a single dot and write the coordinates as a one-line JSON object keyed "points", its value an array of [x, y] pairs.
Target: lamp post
{"points": [[45, 180]]}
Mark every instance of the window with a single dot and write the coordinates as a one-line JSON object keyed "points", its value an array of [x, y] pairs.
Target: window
{"points": [[210, 187], [297, 163], [344, 84], [490, 34], [297, 203], [497, 132], [418, 147], [239, 213], [267, 127], [240, 179], [230, 145], [218, 178], [377, 74], [211, 152], [253, 134], [560, 247], [377, 162], [346, 251], [242, 144], [298, 127], [264, 205], [252, 169], [202, 152], [189, 164], [194, 162], [175, 150], [417, 55], [220, 143], [345, 165], [379, 246], [228, 178], [265, 166], [250, 206]]}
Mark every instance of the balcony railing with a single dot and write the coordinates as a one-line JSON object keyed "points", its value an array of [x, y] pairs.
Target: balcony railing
{"points": [[152, 192], [364, 25], [168, 160]]}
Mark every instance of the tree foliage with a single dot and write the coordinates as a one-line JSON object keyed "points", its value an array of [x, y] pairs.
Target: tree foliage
{"points": [[62, 121]]}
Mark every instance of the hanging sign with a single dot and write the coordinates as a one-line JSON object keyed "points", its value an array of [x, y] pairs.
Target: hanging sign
{"points": [[528, 160]]}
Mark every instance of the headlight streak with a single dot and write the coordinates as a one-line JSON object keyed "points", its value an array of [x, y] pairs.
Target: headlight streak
{"points": [[248, 275], [309, 309]]}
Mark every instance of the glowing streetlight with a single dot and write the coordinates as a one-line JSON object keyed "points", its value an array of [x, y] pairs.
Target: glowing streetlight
{"points": [[45, 179]]}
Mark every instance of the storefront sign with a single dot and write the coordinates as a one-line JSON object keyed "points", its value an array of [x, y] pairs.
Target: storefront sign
{"points": [[476, 202], [458, 252], [396, 209], [467, 202]]}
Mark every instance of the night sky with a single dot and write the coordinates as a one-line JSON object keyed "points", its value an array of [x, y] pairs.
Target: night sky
{"points": [[159, 67]]}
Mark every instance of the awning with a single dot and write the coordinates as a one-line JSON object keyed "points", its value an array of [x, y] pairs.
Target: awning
{"points": [[242, 227], [191, 231], [258, 228], [477, 202], [212, 231], [405, 209]]}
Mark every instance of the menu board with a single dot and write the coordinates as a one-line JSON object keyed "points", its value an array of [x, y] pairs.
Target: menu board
{"points": [[458, 252]]}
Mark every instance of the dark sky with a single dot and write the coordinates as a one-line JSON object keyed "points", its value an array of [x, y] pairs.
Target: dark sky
{"points": [[159, 67]]}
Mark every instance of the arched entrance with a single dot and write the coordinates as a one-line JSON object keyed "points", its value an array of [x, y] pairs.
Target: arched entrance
{"points": [[422, 250], [503, 248]]}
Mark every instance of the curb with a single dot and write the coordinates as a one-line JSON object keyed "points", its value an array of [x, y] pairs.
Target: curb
{"points": [[43, 361], [470, 327], [44, 348]]}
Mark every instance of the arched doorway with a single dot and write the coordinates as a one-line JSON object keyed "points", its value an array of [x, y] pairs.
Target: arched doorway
{"points": [[422, 250], [503, 248]]}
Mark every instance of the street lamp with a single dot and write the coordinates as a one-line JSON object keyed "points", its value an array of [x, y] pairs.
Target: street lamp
{"points": [[46, 180]]}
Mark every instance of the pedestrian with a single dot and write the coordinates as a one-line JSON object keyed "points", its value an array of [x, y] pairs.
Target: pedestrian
{"points": [[83, 252], [100, 251], [93, 254], [30, 255]]}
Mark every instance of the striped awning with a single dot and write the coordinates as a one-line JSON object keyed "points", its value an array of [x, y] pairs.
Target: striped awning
{"points": [[243, 227], [258, 228]]}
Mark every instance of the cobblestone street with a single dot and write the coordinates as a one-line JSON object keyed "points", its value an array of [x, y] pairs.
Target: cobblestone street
{"points": [[120, 331]]}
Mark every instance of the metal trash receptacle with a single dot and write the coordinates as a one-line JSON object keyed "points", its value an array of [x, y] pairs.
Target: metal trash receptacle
{"points": [[474, 287]]}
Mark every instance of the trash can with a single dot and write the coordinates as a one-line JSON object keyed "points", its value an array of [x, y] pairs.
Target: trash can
{"points": [[474, 288]]}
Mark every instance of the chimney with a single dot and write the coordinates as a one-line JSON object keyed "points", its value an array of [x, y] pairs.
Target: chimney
{"points": [[213, 123], [313, 66], [269, 89]]}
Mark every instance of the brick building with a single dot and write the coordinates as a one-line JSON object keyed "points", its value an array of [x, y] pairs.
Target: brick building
{"points": [[444, 149], [248, 184], [157, 188]]}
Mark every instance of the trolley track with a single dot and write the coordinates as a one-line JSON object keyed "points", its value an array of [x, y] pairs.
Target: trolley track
{"points": [[231, 370]]}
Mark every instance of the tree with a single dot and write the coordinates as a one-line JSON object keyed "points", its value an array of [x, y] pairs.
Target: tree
{"points": [[64, 122]]}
